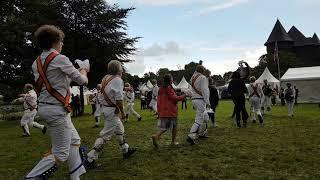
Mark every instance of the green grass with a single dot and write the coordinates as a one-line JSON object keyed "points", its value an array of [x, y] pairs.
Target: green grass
{"points": [[283, 149]]}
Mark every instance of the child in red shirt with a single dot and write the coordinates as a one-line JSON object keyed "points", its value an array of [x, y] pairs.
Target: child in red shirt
{"points": [[167, 110]]}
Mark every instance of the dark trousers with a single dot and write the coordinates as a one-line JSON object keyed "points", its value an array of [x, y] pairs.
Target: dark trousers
{"points": [[93, 107], [240, 105], [212, 115], [184, 104], [283, 102]]}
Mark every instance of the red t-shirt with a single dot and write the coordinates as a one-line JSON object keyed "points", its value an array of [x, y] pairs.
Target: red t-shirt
{"points": [[167, 102]]}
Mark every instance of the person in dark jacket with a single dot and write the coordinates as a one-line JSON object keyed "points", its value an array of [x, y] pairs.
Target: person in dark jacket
{"points": [[214, 100], [237, 89]]}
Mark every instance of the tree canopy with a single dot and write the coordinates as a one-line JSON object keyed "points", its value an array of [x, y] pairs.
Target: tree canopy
{"points": [[94, 30]]}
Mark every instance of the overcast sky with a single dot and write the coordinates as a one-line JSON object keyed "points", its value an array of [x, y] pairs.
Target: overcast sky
{"points": [[219, 32]]}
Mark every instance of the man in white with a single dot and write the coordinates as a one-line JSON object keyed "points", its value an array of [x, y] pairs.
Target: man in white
{"points": [[255, 96], [30, 105], [98, 102], [266, 100], [200, 101], [289, 96], [129, 97], [112, 89], [155, 90], [53, 73]]}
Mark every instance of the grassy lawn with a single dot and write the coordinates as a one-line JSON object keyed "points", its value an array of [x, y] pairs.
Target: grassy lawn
{"points": [[283, 149]]}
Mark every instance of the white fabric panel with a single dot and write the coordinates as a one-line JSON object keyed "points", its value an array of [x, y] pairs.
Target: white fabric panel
{"points": [[308, 90]]}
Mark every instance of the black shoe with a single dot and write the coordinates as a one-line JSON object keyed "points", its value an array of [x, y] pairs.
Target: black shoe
{"points": [[260, 119], [139, 119], [95, 126], [204, 137], [44, 130], [90, 165], [254, 121], [129, 153], [191, 141], [25, 135], [244, 125]]}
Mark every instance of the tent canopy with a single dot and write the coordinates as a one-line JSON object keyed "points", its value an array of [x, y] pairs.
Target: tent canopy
{"points": [[304, 73], [149, 85], [174, 86], [307, 80], [268, 76], [183, 84]]}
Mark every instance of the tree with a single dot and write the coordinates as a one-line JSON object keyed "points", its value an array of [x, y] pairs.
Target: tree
{"points": [[94, 30], [286, 61], [227, 75]]}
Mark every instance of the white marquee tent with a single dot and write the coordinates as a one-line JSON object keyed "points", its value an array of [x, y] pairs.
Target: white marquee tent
{"points": [[307, 80], [274, 82], [149, 85], [174, 86], [183, 84]]}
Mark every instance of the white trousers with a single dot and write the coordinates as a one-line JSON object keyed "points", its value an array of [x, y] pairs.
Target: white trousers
{"points": [[200, 125], [266, 103], [98, 113], [112, 126], [255, 106], [28, 120], [290, 105], [65, 144], [130, 110], [153, 105]]}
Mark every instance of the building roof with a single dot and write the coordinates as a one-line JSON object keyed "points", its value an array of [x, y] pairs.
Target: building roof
{"points": [[303, 73], [278, 34], [315, 39], [297, 36]]}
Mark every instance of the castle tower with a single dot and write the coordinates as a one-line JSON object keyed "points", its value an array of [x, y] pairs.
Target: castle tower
{"points": [[279, 35]]}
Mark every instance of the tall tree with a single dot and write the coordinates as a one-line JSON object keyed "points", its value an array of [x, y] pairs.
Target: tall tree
{"points": [[287, 60], [93, 28]]}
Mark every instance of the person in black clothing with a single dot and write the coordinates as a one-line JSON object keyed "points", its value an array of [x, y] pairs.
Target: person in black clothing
{"points": [[297, 94], [214, 100], [237, 89], [77, 107], [244, 72], [184, 101], [281, 96]]}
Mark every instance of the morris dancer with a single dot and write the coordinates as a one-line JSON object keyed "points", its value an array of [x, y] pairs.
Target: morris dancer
{"points": [[200, 100], [153, 102], [255, 96], [129, 97], [112, 90], [98, 102], [30, 110], [53, 73]]}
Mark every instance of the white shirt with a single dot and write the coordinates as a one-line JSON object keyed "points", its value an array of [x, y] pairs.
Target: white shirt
{"points": [[155, 91], [201, 84], [129, 96], [114, 90], [259, 89], [29, 99], [60, 72]]}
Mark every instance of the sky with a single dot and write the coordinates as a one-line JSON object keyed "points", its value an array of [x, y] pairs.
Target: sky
{"points": [[219, 32]]}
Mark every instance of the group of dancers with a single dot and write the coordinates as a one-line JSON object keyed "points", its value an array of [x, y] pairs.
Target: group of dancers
{"points": [[50, 98]]}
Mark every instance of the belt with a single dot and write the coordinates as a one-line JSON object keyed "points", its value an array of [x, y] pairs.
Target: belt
{"points": [[50, 103], [108, 105], [197, 99]]}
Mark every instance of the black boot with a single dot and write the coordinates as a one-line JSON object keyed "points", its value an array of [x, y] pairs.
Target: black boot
{"points": [[260, 119], [129, 153]]}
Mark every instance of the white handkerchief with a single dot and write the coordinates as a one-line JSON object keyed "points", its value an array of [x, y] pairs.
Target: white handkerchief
{"points": [[83, 64]]}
